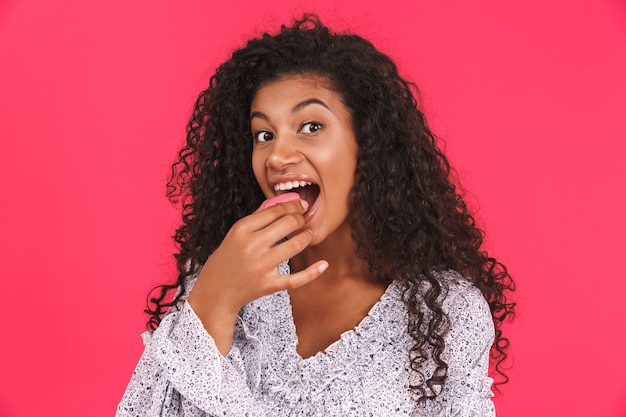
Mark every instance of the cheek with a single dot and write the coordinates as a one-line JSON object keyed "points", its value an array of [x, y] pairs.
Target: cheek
{"points": [[339, 157], [344, 165]]}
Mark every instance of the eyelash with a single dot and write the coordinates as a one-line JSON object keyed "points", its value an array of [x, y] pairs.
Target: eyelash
{"points": [[256, 135], [318, 124]]}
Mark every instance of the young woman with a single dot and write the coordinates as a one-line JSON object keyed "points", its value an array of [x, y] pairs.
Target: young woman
{"points": [[327, 263]]}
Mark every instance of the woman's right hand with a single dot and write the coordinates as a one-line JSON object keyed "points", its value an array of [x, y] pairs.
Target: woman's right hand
{"points": [[244, 267]]}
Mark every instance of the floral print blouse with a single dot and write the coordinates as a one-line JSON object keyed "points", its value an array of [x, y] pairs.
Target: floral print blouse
{"points": [[365, 373]]}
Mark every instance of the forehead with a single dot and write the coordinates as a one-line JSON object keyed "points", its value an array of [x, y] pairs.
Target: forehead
{"points": [[291, 89]]}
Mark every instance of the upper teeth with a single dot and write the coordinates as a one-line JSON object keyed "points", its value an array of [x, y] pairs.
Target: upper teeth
{"points": [[288, 185]]}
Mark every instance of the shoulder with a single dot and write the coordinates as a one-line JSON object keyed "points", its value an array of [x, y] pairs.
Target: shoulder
{"points": [[471, 332], [461, 297]]}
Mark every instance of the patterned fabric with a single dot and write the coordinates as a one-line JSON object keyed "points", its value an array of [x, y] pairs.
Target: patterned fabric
{"points": [[365, 373]]}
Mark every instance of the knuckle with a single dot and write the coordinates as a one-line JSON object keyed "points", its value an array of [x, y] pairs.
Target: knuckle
{"points": [[301, 221], [291, 284], [299, 243], [237, 227], [297, 221], [246, 252]]}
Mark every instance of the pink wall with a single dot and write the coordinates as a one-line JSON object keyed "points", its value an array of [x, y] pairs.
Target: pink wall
{"points": [[93, 100]]}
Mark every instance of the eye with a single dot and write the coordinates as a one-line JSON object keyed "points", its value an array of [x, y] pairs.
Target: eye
{"points": [[262, 136], [310, 127]]}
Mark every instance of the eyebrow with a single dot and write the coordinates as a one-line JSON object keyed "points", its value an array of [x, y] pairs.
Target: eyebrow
{"points": [[294, 109]]}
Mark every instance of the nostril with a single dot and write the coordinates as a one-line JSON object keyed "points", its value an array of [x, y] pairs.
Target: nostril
{"points": [[282, 151]]}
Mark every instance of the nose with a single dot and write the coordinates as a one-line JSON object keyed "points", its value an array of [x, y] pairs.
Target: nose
{"points": [[283, 152]]}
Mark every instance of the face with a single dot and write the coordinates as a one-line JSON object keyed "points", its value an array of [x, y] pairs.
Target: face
{"points": [[304, 142]]}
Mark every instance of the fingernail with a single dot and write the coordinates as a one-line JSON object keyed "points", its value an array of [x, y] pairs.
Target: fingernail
{"points": [[305, 205], [323, 266]]}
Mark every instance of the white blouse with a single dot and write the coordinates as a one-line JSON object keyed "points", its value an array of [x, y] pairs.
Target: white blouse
{"points": [[365, 373]]}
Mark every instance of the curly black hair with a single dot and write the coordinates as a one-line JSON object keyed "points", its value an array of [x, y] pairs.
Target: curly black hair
{"points": [[410, 218]]}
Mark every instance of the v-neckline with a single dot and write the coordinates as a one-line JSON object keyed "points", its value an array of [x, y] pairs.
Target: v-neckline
{"points": [[332, 349]]}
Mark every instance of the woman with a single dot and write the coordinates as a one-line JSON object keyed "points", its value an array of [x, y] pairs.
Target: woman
{"points": [[309, 147]]}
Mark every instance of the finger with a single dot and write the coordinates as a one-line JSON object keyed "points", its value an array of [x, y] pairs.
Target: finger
{"points": [[289, 248], [262, 218], [276, 204], [279, 199], [283, 227], [292, 281]]}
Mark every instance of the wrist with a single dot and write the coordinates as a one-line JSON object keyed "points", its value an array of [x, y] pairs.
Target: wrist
{"points": [[218, 320]]}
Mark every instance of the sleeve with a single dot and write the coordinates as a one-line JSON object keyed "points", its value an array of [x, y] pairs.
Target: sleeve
{"points": [[467, 391], [181, 372]]}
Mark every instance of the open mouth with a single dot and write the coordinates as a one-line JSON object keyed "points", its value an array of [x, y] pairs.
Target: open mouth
{"points": [[308, 191]]}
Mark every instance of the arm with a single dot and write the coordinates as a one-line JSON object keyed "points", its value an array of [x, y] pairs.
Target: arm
{"points": [[181, 372], [189, 366], [243, 267]]}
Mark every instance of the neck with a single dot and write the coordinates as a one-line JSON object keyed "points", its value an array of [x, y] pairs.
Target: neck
{"points": [[340, 253]]}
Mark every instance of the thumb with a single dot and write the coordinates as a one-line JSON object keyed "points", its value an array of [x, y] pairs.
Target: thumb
{"points": [[305, 276]]}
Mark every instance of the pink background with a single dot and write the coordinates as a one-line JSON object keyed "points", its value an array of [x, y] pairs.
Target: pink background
{"points": [[94, 96]]}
